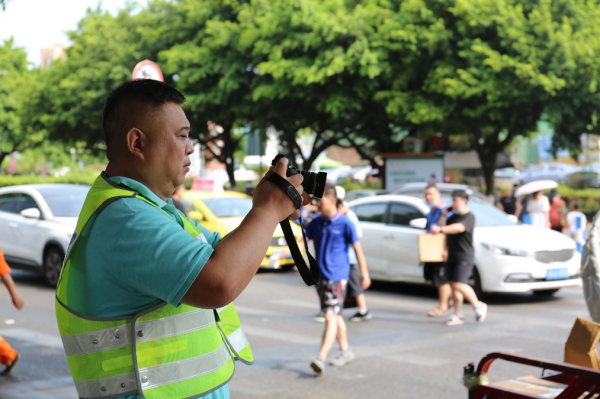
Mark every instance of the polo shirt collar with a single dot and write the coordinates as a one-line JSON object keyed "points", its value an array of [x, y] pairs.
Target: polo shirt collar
{"points": [[140, 188], [334, 217]]}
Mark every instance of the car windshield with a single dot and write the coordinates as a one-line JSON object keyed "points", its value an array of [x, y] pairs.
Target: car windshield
{"points": [[229, 207], [486, 215], [64, 201]]}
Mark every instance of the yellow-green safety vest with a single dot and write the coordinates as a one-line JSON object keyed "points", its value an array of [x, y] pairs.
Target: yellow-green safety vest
{"points": [[161, 352]]}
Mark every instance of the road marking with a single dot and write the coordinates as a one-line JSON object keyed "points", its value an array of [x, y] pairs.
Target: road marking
{"points": [[297, 304], [281, 335], [33, 337], [419, 360]]}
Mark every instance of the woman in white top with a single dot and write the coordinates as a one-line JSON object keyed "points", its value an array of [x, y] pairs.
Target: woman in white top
{"points": [[538, 207]]}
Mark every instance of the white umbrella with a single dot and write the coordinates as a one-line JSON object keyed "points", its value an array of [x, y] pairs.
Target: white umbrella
{"points": [[535, 186]]}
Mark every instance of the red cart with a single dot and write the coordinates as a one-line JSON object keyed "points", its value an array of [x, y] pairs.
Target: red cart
{"points": [[560, 381]]}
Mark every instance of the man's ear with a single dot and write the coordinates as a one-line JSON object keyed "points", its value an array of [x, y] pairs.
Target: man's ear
{"points": [[136, 142]]}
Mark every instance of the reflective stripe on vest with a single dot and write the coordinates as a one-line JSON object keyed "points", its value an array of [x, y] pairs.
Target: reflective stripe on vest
{"points": [[161, 352]]}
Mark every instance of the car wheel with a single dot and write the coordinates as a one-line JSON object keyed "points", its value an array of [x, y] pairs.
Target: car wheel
{"points": [[546, 292], [475, 282], [53, 259]]}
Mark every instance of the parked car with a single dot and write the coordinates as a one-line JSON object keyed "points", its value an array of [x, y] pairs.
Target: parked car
{"points": [[507, 173], [549, 171], [224, 212], [509, 257], [588, 176], [417, 190], [37, 222], [367, 192]]}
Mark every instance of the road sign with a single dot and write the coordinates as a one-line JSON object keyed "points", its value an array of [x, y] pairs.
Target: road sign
{"points": [[147, 70]]}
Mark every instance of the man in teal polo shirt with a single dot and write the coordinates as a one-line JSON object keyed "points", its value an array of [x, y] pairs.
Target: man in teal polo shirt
{"points": [[135, 256]]}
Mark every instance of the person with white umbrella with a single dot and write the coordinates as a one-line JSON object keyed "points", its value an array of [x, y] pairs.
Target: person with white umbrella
{"points": [[538, 207]]}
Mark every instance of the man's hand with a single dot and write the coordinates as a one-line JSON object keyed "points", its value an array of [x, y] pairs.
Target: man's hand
{"points": [[445, 255], [273, 199], [435, 229], [365, 282]]}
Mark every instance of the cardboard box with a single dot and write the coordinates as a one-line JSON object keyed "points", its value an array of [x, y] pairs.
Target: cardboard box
{"points": [[580, 348], [431, 247]]}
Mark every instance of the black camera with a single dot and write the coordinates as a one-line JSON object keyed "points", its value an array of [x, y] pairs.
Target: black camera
{"points": [[314, 183]]}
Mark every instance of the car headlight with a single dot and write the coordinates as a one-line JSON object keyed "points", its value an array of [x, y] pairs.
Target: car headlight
{"points": [[496, 250]]}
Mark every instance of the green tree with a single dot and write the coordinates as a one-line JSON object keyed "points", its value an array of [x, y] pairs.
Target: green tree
{"points": [[317, 70], [490, 69], [19, 88], [105, 50]]}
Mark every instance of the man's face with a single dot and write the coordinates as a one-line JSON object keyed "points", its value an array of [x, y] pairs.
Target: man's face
{"points": [[458, 203], [326, 204], [509, 193], [432, 195], [169, 147]]}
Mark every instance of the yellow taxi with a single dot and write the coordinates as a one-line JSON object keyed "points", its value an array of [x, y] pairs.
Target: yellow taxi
{"points": [[225, 211]]}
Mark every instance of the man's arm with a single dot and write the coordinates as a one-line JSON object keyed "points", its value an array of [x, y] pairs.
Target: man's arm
{"points": [[12, 290], [365, 280], [237, 257], [454, 228]]}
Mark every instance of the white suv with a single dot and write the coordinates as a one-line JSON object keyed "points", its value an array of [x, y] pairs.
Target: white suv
{"points": [[36, 225]]}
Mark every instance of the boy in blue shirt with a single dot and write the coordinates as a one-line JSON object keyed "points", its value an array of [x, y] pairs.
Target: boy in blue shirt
{"points": [[332, 233]]}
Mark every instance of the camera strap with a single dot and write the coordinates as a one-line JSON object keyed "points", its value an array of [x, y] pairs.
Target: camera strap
{"points": [[310, 273]]}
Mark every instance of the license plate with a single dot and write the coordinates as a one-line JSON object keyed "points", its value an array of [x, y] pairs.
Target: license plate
{"points": [[557, 274]]}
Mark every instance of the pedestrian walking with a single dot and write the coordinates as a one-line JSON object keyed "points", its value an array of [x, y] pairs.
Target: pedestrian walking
{"points": [[509, 204], [8, 356], [355, 289], [558, 212], [332, 233], [144, 301], [538, 209], [460, 223], [434, 271], [572, 217]]}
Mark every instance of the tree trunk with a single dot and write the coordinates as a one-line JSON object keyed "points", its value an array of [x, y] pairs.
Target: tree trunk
{"points": [[3, 156], [487, 157], [229, 148]]}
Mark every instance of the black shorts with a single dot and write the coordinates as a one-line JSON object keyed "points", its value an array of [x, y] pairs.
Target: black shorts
{"points": [[332, 294], [434, 272], [354, 287], [458, 272]]}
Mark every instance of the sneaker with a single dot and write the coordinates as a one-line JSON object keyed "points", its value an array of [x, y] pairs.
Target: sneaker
{"points": [[481, 312], [343, 358], [9, 367], [318, 365], [320, 317], [454, 320], [361, 316]]}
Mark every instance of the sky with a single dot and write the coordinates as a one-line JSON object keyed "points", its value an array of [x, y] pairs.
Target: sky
{"points": [[38, 24]]}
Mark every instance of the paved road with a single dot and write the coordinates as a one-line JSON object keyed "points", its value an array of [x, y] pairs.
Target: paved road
{"points": [[400, 353]]}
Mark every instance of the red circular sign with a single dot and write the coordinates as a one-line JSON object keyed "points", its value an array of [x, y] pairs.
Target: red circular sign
{"points": [[147, 70]]}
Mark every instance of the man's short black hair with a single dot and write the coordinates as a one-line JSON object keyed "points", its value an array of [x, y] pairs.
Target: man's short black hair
{"points": [[576, 206], [432, 185], [329, 191], [145, 91], [460, 194]]}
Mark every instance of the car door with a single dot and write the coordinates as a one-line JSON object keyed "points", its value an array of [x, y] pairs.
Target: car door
{"points": [[371, 216], [28, 232], [8, 223], [401, 246]]}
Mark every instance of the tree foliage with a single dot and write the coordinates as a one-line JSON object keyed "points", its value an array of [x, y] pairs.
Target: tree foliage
{"points": [[491, 69], [19, 89], [357, 74]]}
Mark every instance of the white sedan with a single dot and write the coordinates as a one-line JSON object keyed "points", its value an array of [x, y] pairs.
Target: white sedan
{"points": [[509, 257], [37, 222]]}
